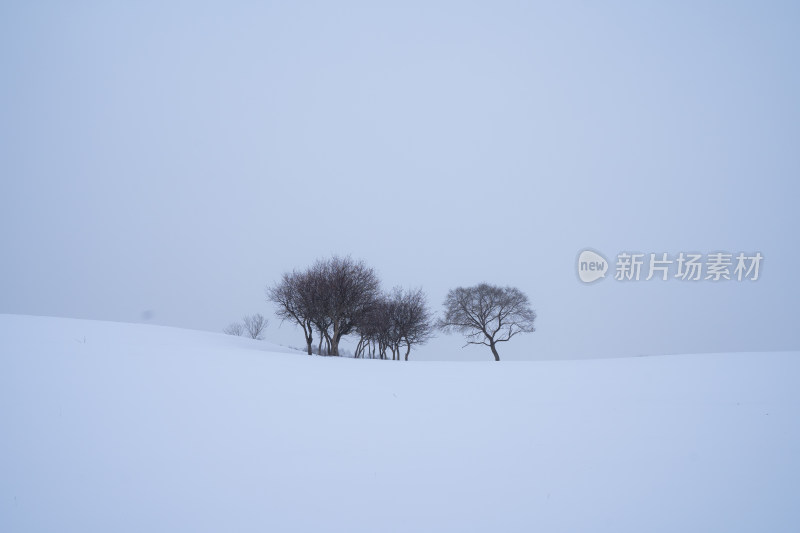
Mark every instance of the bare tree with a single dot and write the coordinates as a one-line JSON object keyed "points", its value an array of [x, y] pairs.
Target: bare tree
{"points": [[487, 314], [254, 325], [345, 291], [316, 287], [236, 328], [333, 296], [294, 297], [376, 330], [395, 321], [412, 318]]}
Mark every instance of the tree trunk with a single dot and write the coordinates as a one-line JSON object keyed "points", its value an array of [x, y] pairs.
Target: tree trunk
{"points": [[309, 333], [359, 348], [494, 351], [334, 347]]}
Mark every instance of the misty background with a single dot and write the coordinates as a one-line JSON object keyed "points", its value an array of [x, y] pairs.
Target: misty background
{"points": [[164, 162]]}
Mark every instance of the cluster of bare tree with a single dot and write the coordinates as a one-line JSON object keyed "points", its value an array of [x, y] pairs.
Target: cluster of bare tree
{"points": [[395, 322], [340, 296], [251, 326]]}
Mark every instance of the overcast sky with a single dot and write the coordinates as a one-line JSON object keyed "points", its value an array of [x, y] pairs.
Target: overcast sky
{"points": [[165, 161]]}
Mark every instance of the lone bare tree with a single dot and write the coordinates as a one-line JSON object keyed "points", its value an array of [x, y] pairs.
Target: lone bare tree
{"points": [[235, 328], [254, 325], [487, 314]]}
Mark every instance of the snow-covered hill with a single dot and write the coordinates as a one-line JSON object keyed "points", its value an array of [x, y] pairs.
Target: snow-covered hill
{"points": [[122, 427]]}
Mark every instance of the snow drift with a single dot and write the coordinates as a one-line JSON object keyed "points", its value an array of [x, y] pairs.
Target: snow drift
{"points": [[123, 427]]}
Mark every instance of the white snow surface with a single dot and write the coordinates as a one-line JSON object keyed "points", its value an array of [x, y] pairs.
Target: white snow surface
{"points": [[129, 427]]}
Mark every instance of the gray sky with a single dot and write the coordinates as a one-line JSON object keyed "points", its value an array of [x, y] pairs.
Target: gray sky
{"points": [[178, 158]]}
